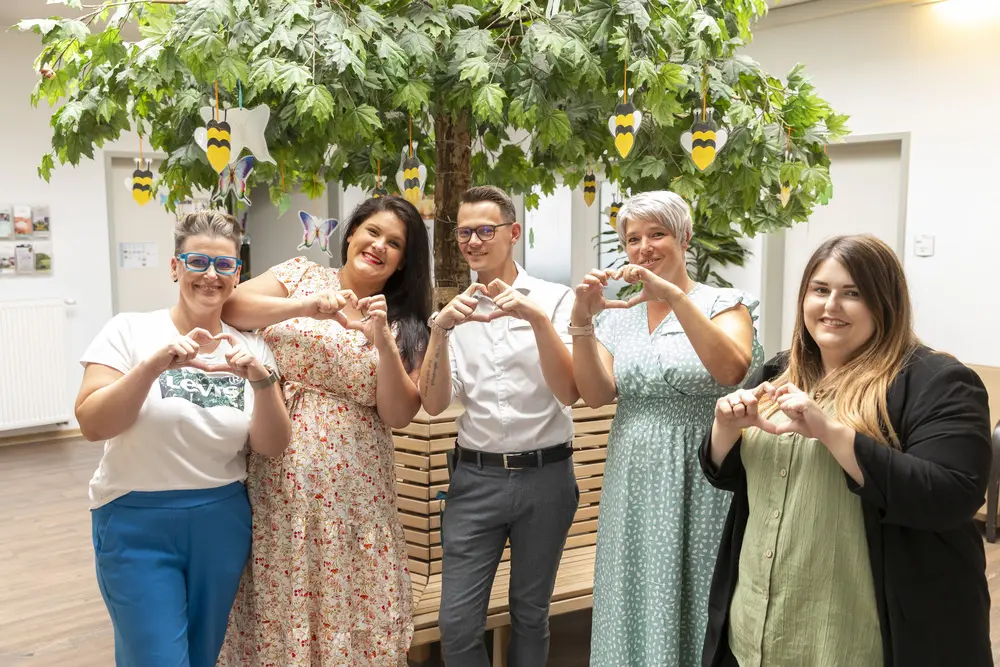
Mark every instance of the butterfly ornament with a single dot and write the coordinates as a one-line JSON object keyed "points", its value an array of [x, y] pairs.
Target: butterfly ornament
{"points": [[315, 230], [233, 179]]}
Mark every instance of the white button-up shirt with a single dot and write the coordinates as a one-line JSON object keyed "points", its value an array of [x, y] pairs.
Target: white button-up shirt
{"points": [[497, 376]]}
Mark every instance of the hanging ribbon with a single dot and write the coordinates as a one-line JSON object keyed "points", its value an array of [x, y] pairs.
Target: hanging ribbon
{"points": [[216, 99], [411, 135], [239, 89]]}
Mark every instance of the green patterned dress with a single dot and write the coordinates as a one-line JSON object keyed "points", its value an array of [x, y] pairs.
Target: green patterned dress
{"points": [[660, 521]]}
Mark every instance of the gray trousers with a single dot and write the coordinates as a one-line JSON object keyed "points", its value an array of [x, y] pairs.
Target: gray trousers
{"points": [[486, 506]]}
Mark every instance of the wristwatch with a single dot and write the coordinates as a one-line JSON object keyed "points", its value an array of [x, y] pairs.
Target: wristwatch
{"points": [[432, 323], [271, 378]]}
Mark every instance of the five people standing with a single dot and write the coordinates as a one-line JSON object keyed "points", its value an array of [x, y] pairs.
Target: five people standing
{"points": [[850, 467]]}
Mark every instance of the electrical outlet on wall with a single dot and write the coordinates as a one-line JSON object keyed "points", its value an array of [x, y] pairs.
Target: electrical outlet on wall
{"points": [[923, 245]]}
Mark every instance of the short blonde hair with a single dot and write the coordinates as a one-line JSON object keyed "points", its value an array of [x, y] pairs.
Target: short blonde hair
{"points": [[668, 209], [215, 224]]}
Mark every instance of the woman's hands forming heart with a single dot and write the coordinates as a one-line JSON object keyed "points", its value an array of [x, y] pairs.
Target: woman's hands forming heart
{"points": [[739, 410], [182, 352]]}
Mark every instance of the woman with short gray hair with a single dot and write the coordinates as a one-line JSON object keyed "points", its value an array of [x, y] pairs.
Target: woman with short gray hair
{"points": [[666, 355]]}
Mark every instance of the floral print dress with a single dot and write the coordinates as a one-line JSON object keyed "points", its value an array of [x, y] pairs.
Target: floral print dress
{"points": [[327, 583]]}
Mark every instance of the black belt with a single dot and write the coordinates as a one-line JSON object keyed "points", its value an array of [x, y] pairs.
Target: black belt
{"points": [[516, 460]]}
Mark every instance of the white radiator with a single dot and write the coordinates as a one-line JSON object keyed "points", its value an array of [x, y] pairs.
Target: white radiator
{"points": [[34, 372]]}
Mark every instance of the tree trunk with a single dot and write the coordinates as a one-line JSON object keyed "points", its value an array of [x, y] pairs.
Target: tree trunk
{"points": [[453, 175]]}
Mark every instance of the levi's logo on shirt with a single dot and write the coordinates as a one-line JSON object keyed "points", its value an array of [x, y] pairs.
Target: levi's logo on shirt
{"points": [[203, 390]]}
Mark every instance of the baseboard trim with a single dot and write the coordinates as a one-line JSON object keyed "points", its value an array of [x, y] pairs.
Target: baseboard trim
{"points": [[41, 436]]}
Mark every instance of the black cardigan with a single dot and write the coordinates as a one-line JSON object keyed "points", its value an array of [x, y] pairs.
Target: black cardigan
{"points": [[926, 554]]}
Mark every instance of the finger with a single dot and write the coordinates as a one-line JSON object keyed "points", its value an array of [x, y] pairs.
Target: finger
{"points": [[599, 276], [637, 299], [473, 288], [464, 310], [229, 338], [739, 411], [616, 304], [590, 282], [497, 287], [783, 390], [497, 314], [200, 335], [762, 389], [470, 301], [348, 295], [767, 426], [480, 317], [723, 409], [188, 348]]}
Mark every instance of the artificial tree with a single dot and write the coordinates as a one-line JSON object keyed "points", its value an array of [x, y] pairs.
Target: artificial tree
{"points": [[515, 93]]}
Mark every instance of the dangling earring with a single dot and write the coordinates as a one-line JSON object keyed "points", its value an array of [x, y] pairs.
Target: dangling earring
{"points": [[175, 278]]}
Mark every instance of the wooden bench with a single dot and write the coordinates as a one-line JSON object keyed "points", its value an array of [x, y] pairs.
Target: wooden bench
{"points": [[422, 472]]}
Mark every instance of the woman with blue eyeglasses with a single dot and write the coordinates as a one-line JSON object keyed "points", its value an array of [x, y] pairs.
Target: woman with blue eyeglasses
{"points": [[178, 397]]}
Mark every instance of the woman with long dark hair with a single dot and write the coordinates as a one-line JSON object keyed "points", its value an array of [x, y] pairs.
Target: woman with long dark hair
{"points": [[327, 582], [857, 460]]}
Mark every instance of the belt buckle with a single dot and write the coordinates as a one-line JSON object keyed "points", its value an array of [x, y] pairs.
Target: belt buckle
{"points": [[506, 466]]}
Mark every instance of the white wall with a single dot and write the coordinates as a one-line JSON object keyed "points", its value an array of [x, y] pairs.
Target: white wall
{"points": [[76, 197], [917, 69]]}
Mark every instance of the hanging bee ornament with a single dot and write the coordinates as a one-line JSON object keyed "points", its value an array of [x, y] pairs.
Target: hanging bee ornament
{"points": [[625, 124], [141, 183], [412, 176], [218, 144], [613, 214], [589, 186], [704, 140], [785, 196]]}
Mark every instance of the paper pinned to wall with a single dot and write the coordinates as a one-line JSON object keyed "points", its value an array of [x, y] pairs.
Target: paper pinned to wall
{"points": [[137, 255]]}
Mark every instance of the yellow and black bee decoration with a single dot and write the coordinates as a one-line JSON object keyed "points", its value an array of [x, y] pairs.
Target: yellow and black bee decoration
{"points": [[589, 186], [412, 176], [141, 183], [613, 214], [219, 144], [625, 124], [704, 140]]}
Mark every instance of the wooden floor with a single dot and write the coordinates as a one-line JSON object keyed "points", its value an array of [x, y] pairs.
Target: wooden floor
{"points": [[51, 613]]}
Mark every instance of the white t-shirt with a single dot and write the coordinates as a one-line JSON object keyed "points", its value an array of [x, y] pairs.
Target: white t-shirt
{"points": [[192, 429]]}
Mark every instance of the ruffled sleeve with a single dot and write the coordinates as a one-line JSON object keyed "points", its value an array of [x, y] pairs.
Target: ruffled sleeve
{"points": [[729, 298], [606, 326], [290, 273]]}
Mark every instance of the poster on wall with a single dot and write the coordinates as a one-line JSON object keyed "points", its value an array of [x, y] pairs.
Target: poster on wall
{"points": [[40, 222], [22, 222], [6, 221], [6, 258], [25, 240]]}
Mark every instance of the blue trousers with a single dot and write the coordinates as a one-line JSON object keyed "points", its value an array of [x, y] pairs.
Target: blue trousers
{"points": [[168, 565]]}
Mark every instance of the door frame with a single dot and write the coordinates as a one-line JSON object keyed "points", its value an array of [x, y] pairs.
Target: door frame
{"points": [[109, 156], [773, 246]]}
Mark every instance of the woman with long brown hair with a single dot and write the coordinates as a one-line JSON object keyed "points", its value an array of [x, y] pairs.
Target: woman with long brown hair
{"points": [[857, 460]]}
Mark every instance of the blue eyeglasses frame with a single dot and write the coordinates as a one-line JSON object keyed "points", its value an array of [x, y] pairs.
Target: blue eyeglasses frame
{"points": [[212, 261]]}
